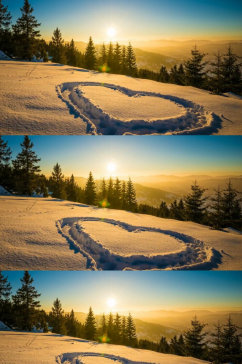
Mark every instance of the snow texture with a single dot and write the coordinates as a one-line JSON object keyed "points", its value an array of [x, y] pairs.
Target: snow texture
{"points": [[28, 348], [48, 98], [50, 234]]}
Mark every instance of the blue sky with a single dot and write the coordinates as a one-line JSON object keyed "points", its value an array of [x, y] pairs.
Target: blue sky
{"points": [[137, 19], [137, 291], [137, 155]]}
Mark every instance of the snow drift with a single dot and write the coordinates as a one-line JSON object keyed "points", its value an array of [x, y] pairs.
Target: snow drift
{"points": [[50, 234], [55, 99], [28, 348]]}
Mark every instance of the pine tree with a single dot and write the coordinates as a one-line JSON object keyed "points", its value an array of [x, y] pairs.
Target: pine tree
{"points": [[123, 331], [131, 332], [216, 80], [110, 328], [71, 189], [26, 32], [5, 20], [57, 319], [123, 61], [110, 57], [26, 303], [26, 167], [230, 342], [71, 324], [164, 75], [5, 305], [71, 54], [90, 326], [117, 195], [103, 329], [57, 47], [131, 202], [90, 55], [163, 210], [117, 59], [131, 61], [5, 170], [231, 209], [195, 339], [194, 204], [117, 329], [194, 68], [57, 183], [123, 196], [103, 59], [231, 73], [216, 345], [164, 346], [90, 191], [216, 213]]}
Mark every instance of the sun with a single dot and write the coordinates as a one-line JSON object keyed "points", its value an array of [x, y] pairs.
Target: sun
{"points": [[111, 167], [111, 302], [111, 32]]}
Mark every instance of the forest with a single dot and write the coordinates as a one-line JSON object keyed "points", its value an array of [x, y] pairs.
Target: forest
{"points": [[22, 311], [22, 176], [22, 41]]}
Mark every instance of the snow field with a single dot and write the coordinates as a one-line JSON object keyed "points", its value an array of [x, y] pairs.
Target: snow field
{"points": [[28, 348], [47, 98], [50, 234]]}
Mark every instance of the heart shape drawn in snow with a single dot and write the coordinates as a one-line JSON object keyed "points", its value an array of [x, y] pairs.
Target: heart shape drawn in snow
{"points": [[114, 245], [114, 110]]}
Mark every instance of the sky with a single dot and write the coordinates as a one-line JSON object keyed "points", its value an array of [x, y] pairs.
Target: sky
{"points": [[136, 291], [136, 19], [135, 156]]}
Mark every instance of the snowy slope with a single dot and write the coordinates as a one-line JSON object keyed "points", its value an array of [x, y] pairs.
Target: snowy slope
{"points": [[29, 348], [49, 234], [47, 98]]}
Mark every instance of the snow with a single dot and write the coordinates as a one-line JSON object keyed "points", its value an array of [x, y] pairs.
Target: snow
{"points": [[50, 234], [48, 98], [28, 348], [3, 56], [4, 192]]}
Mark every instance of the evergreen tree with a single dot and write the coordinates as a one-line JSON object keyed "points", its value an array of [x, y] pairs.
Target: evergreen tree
{"points": [[131, 332], [103, 59], [71, 54], [230, 342], [177, 210], [117, 57], [194, 339], [216, 214], [163, 210], [123, 61], [110, 192], [117, 329], [231, 209], [57, 47], [90, 55], [57, 183], [217, 81], [131, 202], [131, 61], [110, 57], [123, 196], [194, 204], [117, 195], [110, 328], [163, 346], [71, 324], [71, 189], [5, 305], [26, 32], [231, 73], [5, 34], [90, 326], [194, 68], [103, 329], [25, 168], [5, 170], [103, 194], [90, 191], [216, 343], [164, 75], [26, 303], [123, 331], [57, 319]]}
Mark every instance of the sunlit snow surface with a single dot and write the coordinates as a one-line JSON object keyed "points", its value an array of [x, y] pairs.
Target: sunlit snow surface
{"points": [[47, 98], [36, 348], [50, 234]]}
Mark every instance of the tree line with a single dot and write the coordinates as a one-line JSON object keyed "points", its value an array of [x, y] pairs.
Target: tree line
{"points": [[22, 176], [22, 311], [222, 74]]}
